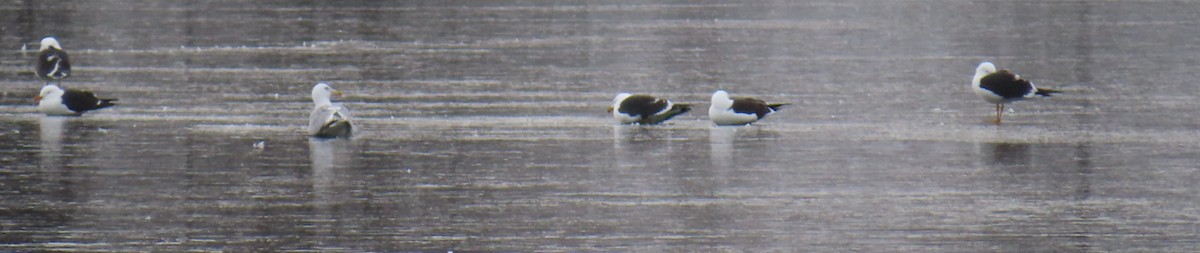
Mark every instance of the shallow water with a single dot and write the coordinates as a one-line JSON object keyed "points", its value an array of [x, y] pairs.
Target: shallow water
{"points": [[481, 127]]}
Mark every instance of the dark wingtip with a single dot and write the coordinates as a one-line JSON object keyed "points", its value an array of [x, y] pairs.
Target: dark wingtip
{"points": [[105, 103], [1047, 92], [776, 106], [683, 107]]}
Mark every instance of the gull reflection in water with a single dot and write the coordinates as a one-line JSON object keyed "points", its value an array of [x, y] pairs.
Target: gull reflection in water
{"points": [[51, 130], [632, 144], [721, 140], [329, 160], [1008, 154], [1033, 174], [720, 144]]}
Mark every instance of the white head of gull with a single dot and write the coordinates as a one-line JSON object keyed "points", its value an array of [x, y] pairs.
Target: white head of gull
{"points": [[50, 42]]}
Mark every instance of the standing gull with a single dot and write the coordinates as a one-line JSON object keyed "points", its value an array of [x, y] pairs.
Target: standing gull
{"points": [[52, 64], [727, 110], [328, 120], [645, 109], [1003, 87], [70, 102]]}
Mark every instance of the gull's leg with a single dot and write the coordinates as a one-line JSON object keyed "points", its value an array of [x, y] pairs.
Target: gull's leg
{"points": [[999, 112]]}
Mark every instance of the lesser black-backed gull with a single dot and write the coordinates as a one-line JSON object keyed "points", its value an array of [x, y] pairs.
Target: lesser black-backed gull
{"points": [[645, 109], [1001, 87], [726, 110], [53, 100], [52, 62]]}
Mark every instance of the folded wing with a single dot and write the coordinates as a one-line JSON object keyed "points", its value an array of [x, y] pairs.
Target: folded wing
{"points": [[329, 121]]}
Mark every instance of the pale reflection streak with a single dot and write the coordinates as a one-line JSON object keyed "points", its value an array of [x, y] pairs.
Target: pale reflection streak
{"points": [[50, 132], [627, 148], [325, 164], [720, 143]]}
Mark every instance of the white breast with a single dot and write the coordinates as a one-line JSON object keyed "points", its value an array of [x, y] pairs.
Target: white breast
{"points": [[54, 106]]}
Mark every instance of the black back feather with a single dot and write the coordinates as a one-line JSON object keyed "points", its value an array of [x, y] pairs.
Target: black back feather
{"points": [[642, 105], [48, 60], [81, 101], [1006, 84], [748, 105]]}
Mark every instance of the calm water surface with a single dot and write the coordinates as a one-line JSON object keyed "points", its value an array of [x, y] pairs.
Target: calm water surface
{"points": [[481, 127]]}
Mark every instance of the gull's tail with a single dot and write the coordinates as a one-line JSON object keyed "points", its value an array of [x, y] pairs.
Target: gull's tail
{"points": [[1046, 92]]}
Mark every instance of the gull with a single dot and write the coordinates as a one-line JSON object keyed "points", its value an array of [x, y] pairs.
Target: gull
{"points": [[1001, 87], [645, 109], [726, 110], [52, 62], [55, 101], [328, 120]]}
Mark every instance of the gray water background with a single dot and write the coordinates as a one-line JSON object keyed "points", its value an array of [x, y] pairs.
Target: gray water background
{"points": [[481, 127]]}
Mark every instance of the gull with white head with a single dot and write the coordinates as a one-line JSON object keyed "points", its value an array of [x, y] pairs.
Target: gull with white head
{"points": [[727, 110], [1001, 87], [55, 101], [328, 120], [52, 63]]}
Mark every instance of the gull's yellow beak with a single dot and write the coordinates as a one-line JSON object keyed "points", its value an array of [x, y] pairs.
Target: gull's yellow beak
{"points": [[37, 99], [610, 108], [337, 93]]}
